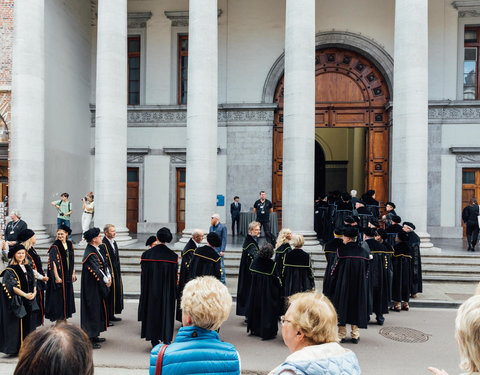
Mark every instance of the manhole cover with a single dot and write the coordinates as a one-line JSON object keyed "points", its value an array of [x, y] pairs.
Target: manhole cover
{"points": [[402, 334]]}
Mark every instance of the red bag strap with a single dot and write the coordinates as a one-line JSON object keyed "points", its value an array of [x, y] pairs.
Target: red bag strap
{"points": [[158, 366]]}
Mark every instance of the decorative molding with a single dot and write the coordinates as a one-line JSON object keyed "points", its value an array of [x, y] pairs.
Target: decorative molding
{"points": [[135, 158], [176, 115], [465, 150], [180, 18], [467, 8], [367, 47], [93, 12], [458, 111], [467, 158], [138, 20]]}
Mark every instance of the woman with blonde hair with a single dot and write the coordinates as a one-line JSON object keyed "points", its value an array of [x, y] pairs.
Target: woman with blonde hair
{"points": [[88, 206], [206, 304], [467, 331], [282, 247], [17, 301], [309, 330]]}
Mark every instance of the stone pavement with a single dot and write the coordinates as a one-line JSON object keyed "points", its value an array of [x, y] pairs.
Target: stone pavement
{"points": [[125, 353]]}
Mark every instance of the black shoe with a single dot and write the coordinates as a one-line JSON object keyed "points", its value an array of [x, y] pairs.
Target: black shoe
{"points": [[96, 345], [110, 324], [380, 322], [343, 341], [355, 341], [154, 343], [97, 339], [115, 319]]}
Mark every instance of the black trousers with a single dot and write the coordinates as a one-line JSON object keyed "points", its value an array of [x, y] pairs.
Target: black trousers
{"points": [[472, 233], [236, 220], [268, 234]]}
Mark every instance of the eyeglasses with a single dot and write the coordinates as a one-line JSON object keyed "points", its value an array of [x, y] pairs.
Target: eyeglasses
{"points": [[283, 320]]}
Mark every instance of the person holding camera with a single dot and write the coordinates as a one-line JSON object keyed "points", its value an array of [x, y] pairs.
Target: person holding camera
{"points": [[88, 207], [64, 208]]}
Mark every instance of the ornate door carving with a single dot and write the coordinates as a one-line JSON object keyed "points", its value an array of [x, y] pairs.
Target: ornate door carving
{"points": [[350, 92]]}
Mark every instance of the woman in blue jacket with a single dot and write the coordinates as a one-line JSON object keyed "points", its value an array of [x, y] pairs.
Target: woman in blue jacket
{"points": [[206, 304]]}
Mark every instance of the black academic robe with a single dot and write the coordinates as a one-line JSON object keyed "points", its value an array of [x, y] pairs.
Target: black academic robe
{"points": [[401, 261], [280, 253], [112, 259], [59, 299], [263, 308], [205, 262], [297, 273], [187, 256], [156, 309], [16, 311], [416, 281], [378, 278], [373, 206], [392, 231], [330, 249], [93, 293], [350, 274], [36, 263], [249, 252]]}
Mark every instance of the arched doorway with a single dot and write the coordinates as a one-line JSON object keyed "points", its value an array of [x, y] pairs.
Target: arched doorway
{"points": [[350, 93]]}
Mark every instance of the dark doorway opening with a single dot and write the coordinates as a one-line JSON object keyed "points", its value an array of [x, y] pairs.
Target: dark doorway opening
{"points": [[319, 171]]}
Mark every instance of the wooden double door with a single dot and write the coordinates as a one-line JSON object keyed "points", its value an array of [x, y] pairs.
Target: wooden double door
{"points": [[350, 92], [470, 188]]}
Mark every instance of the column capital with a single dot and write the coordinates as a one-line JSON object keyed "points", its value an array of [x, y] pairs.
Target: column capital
{"points": [[467, 8]]}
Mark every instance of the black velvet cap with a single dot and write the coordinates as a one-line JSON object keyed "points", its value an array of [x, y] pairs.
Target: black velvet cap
{"points": [[370, 232], [346, 197], [90, 234], [25, 235], [65, 229], [391, 204], [397, 219], [381, 232], [350, 232], [150, 240], [214, 240], [409, 224], [374, 222], [164, 235], [14, 249], [349, 220]]}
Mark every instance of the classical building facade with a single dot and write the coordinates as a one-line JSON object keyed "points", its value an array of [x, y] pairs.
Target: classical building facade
{"points": [[166, 109]]}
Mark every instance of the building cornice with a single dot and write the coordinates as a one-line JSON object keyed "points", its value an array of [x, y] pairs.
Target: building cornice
{"points": [[467, 8], [138, 20], [454, 111], [179, 18]]}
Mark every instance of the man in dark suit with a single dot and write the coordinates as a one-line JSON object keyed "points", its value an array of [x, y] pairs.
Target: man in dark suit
{"points": [[110, 249], [235, 209]]}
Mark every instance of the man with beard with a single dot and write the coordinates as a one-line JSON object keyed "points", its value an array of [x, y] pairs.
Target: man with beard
{"points": [[249, 252], [109, 250], [156, 308], [96, 281], [350, 297], [187, 256]]}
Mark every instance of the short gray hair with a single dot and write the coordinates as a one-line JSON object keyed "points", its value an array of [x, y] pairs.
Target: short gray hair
{"points": [[216, 216], [107, 227], [16, 212]]}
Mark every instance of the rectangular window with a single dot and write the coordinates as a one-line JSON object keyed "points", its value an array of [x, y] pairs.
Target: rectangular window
{"points": [[182, 68], [470, 63], [134, 70]]}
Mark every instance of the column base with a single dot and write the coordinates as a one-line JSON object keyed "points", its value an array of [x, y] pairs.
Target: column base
{"points": [[123, 239], [426, 246], [42, 236]]}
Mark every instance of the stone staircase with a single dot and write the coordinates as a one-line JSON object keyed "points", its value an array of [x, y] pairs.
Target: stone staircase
{"points": [[436, 267]]}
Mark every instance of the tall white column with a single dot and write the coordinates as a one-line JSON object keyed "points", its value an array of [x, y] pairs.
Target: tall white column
{"points": [[299, 119], [202, 107], [27, 133], [111, 118], [410, 114]]}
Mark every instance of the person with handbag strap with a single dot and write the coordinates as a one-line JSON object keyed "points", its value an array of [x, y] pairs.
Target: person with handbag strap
{"points": [[197, 349]]}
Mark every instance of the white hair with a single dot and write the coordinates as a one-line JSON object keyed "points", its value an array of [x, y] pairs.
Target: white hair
{"points": [[353, 193], [16, 212]]}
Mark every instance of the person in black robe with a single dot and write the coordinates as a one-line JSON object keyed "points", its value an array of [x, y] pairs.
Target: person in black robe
{"points": [[95, 287], [17, 301], [381, 238], [297, 270], [371, 204], [206, 260], [156, 308], [263, 308], [249, 252], [151, 242], [350, 296], [344, 209], [378, 280], [28, 239], [390, 211], [110, 252], [401, 261], [330, 249], [393, 229], [416, 280], [187, 256], [470, 218], [282, 247], [59, 299]]}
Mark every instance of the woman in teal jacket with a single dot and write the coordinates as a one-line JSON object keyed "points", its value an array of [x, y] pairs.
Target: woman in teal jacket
{"points": [[206, 304]]}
